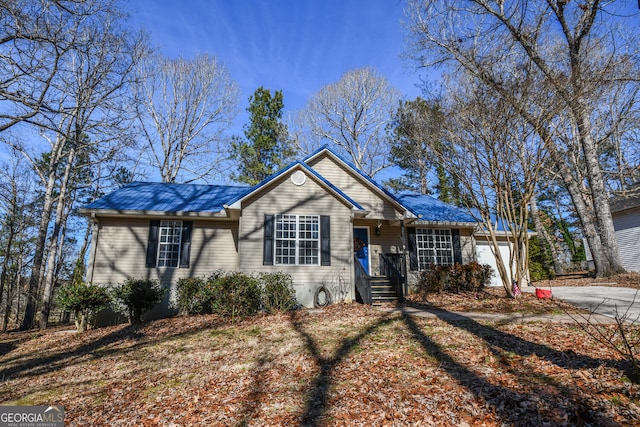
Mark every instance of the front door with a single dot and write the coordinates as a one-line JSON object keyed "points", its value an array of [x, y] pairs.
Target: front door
{"points": [[361, 246]]}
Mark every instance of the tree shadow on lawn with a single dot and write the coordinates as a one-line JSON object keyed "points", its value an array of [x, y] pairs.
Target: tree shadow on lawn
{"points": [[499, 340], [95, 344], [251, 405], [549, 402], [318, 395], [555, 404]]}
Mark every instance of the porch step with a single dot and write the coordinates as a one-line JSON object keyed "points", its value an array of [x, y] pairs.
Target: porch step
{"points": [[382, 290]]}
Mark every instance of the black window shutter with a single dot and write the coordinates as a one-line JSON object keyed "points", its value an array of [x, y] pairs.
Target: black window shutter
{"points": [[267, 253], [152, 243], [325, 240], [413, 252], [457, 248], [185, 244]]}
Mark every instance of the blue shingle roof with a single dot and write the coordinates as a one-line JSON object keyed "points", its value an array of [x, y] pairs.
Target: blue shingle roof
{"points": [[428, 208], [154, 196]]}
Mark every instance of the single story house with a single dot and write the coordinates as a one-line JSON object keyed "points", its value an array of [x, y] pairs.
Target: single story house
{"points": [[320, 219]]}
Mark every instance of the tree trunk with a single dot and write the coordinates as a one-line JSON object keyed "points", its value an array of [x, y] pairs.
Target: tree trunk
{"points": [[38, 257], [604, 222], [584, 211], [60, 219], [14, 285], [80, 321]]}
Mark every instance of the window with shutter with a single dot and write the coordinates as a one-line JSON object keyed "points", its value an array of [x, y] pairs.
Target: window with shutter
{"points": [[169, 243], [297, 240]]}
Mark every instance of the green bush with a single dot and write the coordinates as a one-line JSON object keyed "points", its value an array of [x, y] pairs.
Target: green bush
{"points": [[84, 300], [234, 294], [453, 278], [540, 261], [194, 296], [137, 296], [277, 292]]}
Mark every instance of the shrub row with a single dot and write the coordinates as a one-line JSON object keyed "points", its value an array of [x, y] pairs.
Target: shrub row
{"points": [[229, 294], [453, 278], [132, 298], [233, 294]]}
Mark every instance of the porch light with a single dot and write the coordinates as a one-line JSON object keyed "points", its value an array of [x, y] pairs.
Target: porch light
{"points": [[378, 227]]}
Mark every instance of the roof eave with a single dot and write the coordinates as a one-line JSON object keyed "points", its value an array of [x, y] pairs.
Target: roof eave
{"points": [[145, 213], [459, 224]]}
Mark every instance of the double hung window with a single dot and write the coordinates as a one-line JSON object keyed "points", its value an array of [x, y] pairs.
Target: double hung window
{"points": [[297, 239], [169, 243]]}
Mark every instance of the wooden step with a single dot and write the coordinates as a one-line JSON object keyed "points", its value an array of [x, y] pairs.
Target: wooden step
{"points": [[382, 290]]}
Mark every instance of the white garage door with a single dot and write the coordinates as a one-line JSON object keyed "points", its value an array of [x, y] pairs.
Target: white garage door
{"points": [[485, 256]]}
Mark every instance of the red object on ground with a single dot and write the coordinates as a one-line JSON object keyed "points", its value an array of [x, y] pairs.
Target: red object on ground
{"points": [[543, 293]]}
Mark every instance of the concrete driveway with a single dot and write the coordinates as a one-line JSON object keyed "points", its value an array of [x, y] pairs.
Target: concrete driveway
{"points": [[604, 300]]}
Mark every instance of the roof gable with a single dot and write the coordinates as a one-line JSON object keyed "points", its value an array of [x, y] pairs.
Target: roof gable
{"points": [[237, 202], [316, 158]]}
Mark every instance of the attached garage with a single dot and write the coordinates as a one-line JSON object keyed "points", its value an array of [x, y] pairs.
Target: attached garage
{"points": [[485, 255]]}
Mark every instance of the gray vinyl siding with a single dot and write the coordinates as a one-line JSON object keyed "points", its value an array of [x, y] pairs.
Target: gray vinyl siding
{"points": [[627, 226], [122, 244], [283, 197], [354, 187]]}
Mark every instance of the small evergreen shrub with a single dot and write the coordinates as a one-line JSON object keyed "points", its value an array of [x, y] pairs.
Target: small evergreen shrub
{"points": [[235, 294], [84, 300], [453, 278], [137, 296], [194, 295], [277, 292]]}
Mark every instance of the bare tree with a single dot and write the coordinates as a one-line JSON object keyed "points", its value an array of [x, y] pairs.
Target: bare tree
{"points": [[89, 120], [497, 159], [352, 115], [184, 107], [35, 38], [417, 126], [16, 220], [575, 53]]}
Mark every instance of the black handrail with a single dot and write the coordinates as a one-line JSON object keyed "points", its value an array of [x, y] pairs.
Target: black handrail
{"points": [[363, 282], [388, 268]]}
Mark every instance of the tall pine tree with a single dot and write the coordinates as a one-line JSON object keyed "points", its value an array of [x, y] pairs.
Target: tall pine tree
{"points": [[266, 146]]}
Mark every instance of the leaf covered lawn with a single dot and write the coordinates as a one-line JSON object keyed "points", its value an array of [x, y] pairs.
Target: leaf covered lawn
{"points": [[344, 365]]}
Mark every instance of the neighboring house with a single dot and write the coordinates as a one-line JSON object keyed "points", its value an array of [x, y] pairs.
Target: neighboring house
{"points": [[320, 219], [626, 221]]}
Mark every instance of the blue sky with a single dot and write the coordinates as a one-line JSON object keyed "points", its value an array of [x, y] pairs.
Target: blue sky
{"points": [[294, 46]]}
